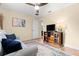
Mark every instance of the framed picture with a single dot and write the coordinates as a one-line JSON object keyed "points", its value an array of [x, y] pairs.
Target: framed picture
{"points": [[17, 22]]}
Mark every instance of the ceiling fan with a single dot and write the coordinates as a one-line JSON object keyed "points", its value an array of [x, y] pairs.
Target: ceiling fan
{"points": [[37, 5]]}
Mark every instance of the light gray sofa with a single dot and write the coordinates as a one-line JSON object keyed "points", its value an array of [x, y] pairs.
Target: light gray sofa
{"points": [[25, 51]]}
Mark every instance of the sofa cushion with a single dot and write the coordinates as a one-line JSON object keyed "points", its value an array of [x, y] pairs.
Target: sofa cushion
{"points": [[11, 36]]}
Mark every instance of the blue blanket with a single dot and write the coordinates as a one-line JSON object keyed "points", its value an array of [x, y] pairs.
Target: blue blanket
{"points": [[10, 46]]}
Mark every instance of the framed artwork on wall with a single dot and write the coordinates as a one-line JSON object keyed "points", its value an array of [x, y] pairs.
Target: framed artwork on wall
{"points": [[17, 22]]}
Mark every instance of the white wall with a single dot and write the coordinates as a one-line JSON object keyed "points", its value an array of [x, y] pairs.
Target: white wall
{"points": [[69, 18], [47, 20], [24, 33], [32, 27]]}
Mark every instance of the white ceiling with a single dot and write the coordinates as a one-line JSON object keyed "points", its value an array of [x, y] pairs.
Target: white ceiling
{"points": [[52, 7], [27, 9]]}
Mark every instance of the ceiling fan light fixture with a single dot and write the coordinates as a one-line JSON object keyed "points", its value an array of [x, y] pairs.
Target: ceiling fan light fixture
{"points": [[36, 7]]}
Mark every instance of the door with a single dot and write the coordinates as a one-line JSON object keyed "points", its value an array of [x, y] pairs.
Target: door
{"points": [[36, 29]]}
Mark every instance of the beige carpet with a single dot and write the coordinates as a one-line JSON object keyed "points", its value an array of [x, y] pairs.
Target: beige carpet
{"points": [[46, 50]]}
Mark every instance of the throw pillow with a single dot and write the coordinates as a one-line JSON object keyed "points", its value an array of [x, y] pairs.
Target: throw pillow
{"points": [[11, 36]]}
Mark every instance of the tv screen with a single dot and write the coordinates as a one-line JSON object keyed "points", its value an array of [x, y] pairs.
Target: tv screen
{"points": [[51, 27]]}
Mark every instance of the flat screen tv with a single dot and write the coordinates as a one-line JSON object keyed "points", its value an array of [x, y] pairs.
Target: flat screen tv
{"points": [[51, 27]]}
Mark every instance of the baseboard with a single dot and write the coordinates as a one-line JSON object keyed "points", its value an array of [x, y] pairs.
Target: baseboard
{"points": [[32, 39], [36, 38], [71, 47]]}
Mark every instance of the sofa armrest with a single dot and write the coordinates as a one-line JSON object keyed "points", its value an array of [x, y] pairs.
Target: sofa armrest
{"points": [[31, 51]]}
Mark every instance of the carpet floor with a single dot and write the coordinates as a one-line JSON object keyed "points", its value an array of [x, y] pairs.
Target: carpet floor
{"points": [[46, 50]]}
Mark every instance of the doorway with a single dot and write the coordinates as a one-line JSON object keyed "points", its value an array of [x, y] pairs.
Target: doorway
{"points": [[36, 28]]}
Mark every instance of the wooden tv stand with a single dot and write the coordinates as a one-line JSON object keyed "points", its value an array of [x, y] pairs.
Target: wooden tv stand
{"points": [[54, 37]]}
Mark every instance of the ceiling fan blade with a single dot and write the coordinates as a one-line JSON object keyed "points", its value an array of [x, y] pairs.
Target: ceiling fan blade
{"points": [[30, 4], [42, 4]]}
